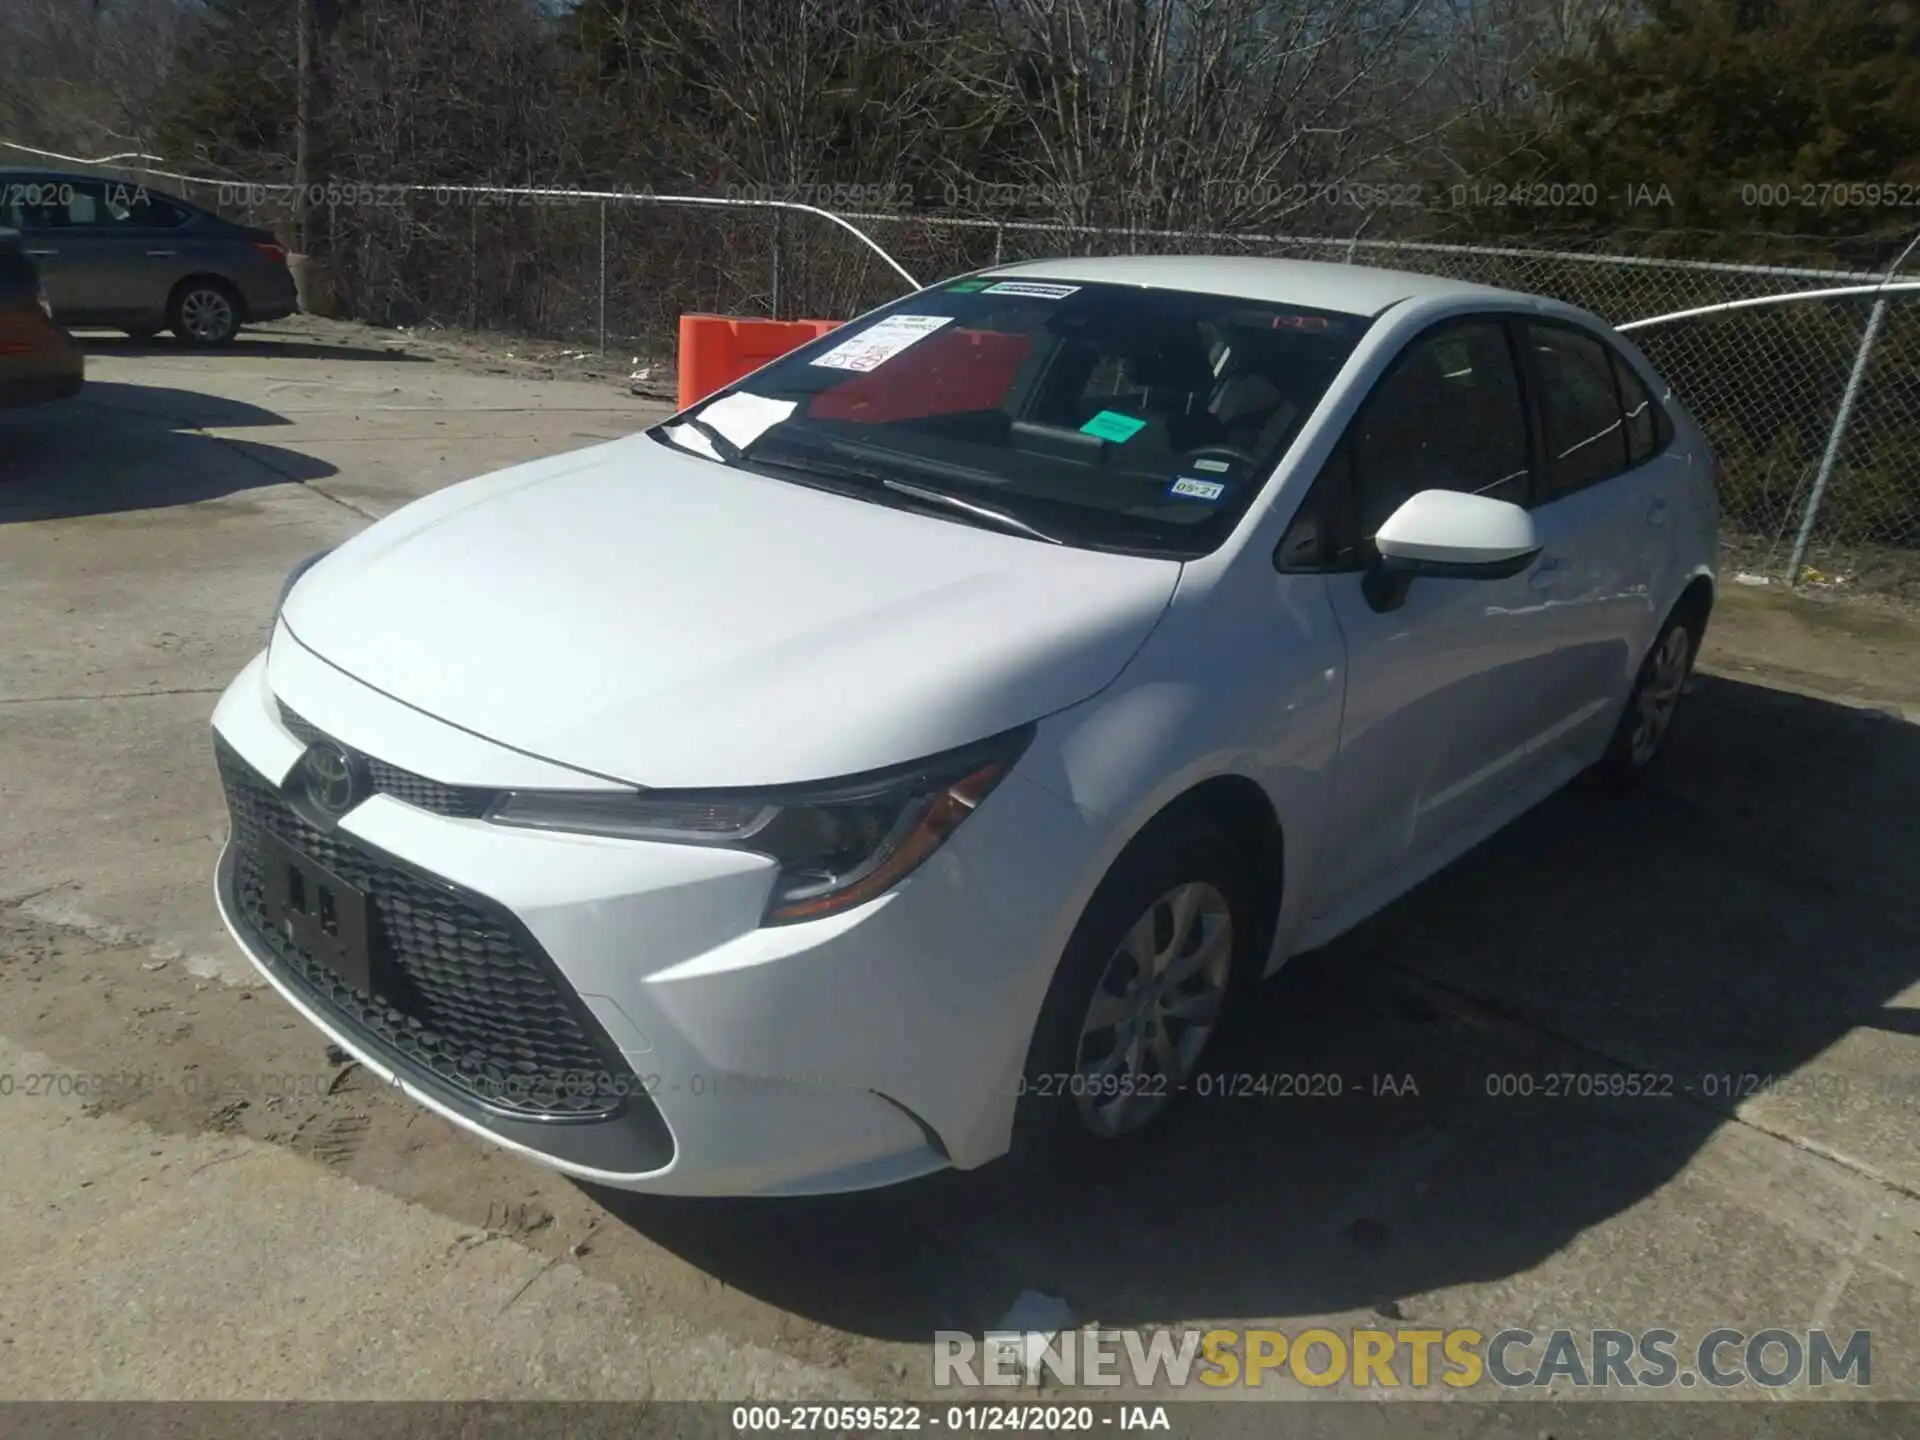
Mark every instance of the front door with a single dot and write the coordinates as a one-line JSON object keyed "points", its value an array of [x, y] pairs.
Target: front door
{"points": [[1449, 693]]}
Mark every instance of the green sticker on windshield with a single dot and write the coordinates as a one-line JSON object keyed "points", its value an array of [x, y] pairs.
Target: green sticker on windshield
{"points": [[1112, 425], [967, 287]]}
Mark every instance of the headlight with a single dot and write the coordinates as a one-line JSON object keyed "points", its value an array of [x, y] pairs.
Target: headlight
{"points": [[293, 578], [838, 845]]}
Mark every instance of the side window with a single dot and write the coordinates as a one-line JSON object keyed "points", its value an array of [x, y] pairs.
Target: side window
{"points": [[136, 207], [1321, 535], [1579, 408], [85, 204], [28, 202], [1648, 429], [159, 213], [1448, 416]]}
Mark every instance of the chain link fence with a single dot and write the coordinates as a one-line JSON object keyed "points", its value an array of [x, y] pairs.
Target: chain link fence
{"points": [[1809, 495]]}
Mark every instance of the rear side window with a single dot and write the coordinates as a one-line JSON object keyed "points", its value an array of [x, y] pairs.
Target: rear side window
{"points": [[1586, 437], [1447, 417], [1648, 429], [135, 205]]}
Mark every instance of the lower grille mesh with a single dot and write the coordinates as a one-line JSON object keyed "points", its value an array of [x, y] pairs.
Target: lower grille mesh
{"points": [[465, 997]]}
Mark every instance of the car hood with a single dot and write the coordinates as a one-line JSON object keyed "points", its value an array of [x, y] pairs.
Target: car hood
{"points": [[662, 619]]}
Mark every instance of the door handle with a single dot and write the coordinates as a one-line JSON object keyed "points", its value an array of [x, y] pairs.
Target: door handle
{"points": [[1657, 513], [43, 252], [160, 254], [1546, 572]]}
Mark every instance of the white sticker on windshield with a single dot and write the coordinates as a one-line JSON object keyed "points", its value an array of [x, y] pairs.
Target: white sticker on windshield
{"points": [[877, 344], [744, 418], [1038, 289]]}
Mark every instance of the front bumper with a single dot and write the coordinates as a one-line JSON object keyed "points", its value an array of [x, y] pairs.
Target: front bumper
{"points": [[840, 1054]]}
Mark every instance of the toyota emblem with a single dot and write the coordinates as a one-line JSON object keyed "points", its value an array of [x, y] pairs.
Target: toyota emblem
{"points": [[332, 778]]}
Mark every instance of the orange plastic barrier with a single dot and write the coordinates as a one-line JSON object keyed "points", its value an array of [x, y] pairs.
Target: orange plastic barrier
{"points": [[716, 350]]}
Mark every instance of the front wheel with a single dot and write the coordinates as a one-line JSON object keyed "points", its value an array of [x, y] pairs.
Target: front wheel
{"points": [[1641, 736], [1141, 990]]}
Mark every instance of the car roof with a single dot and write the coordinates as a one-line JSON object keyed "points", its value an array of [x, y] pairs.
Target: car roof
{"points": [[35, 172], [1353, 289], [44, 173]]}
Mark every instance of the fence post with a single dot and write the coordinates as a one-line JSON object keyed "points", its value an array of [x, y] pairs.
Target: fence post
{"points": [[999, 234], [1834, 439], [777, 231], [603, 277], [473, 267]]}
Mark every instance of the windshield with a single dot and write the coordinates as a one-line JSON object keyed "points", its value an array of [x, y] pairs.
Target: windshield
{"points": [[1106, 416]]}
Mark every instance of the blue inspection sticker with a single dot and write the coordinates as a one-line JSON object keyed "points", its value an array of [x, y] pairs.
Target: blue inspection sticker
{"points": [[1194, 489]]}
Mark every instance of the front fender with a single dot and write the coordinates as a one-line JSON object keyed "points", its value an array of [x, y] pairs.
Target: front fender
{"points": [[1247, 685]]}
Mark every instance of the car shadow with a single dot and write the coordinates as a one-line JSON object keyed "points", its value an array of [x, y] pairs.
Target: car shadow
{"points": [[1736, 917], [118, 447], [250, 343]]}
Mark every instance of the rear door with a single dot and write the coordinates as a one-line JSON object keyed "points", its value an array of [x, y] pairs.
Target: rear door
{"points": [[1600, 517], [1659, 474]]}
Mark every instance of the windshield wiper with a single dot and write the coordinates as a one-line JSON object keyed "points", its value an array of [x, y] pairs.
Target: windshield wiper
{"points": [[722, 446], [969, 507], [817, 465]]}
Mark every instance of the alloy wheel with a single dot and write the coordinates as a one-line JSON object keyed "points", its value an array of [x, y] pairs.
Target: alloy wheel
{"points": [[1153, 1010], [207, 315], [1659, 694]]}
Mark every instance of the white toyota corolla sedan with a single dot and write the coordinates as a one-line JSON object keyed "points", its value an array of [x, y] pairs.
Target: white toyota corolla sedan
{"points": [[914, 748]]}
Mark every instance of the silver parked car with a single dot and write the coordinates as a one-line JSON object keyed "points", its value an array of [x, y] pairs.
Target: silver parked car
{"points": [[120, 255]]}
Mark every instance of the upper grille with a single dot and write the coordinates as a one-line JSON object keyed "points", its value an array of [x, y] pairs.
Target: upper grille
{"points": [[466, 995], [461, 802]]}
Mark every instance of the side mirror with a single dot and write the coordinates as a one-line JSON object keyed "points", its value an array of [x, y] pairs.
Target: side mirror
{"points": [[1448, 535]]}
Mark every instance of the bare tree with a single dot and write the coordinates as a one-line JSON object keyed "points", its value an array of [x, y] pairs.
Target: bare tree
{"points": [[1202, 113], [86, 74]]}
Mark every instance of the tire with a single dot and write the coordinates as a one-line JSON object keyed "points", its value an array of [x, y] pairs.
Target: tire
{"points": [[1640, 739], [204, 313], [1082, 1093]]}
